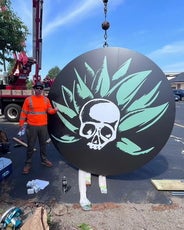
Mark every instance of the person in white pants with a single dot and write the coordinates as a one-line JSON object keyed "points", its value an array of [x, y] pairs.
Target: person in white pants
{"points": [[84, 179]]}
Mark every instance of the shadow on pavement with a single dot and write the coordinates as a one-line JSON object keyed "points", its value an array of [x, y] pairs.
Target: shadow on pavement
{"points": [[131, 187]]}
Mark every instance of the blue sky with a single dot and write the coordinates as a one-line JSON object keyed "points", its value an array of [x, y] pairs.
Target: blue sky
{"points": [[71, 28]]}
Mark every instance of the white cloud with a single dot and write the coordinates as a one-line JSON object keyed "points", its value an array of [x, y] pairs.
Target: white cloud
{"points": [[176, 48], [80, 10], [75, 13], [174, 67], [169, 57], [59, 13]]}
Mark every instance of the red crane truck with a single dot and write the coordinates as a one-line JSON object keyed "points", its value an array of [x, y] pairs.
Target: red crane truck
{"points": [[13, 89]]}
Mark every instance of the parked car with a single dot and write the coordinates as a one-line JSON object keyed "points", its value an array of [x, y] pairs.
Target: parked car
{"points": [[178, 93], [176, 97]]}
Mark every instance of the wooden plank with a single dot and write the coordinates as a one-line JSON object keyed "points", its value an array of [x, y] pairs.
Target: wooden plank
{"points": [[168, 185]]}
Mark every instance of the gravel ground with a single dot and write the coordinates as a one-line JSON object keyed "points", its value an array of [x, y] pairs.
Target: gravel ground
{"points": [[109, 216]]}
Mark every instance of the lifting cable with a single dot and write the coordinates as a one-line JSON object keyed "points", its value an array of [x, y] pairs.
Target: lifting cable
{"points": [[105, 24]]}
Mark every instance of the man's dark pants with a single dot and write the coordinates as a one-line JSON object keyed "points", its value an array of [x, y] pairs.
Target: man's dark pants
{"points": [[34, 132]]}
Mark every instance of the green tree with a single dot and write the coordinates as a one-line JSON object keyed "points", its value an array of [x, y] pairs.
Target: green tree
{"points": [[29, 84], [54, 72], [10, 66], [13, 33]]}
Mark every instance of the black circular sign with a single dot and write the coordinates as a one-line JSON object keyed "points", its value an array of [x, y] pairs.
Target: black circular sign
{"points": [[116, 111]]}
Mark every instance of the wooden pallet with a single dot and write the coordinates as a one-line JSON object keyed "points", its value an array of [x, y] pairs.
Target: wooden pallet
{"points": [[169, 185]]}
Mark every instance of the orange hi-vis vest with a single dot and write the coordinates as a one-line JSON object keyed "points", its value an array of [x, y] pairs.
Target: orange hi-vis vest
{"points": [[35, 110]]}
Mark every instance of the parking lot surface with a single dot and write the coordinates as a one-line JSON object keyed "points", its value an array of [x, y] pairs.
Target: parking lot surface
{"points": [[131, 187]]}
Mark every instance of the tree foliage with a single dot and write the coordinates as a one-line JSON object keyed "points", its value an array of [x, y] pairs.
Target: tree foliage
{"points": [[10, 66], [54, 72], [13, 33]]}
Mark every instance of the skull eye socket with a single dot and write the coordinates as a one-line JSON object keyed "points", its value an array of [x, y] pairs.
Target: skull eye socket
{"points": [[88, 129], [106, 132]]}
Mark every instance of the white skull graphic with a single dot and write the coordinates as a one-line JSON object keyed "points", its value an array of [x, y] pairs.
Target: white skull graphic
{"points": [[99, 121]]}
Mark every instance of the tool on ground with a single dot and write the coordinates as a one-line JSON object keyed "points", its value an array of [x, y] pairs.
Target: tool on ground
{"points": [[12, 218], [21, 142], [65, 185]]}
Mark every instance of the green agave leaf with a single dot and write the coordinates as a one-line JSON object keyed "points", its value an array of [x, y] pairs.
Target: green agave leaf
{"points": [[145, 100], [125, 80], [85, 79], [64, 109], [131, 148], [75, 104], [103, 80], [66, 139], [67, 95], [89, 69], [156, 118], [70, 126], [122, 70], [82, 89], [130, 86], [142, 118]]}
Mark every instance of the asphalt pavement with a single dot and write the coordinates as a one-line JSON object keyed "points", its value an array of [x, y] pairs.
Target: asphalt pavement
{"points": [[133, 187]]}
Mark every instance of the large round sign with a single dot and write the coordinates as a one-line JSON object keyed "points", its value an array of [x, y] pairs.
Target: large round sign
{"points": [[116, 111]]}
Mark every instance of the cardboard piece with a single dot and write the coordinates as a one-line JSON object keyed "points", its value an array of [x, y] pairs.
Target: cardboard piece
{"points": [[38, 220], [168, 185]]}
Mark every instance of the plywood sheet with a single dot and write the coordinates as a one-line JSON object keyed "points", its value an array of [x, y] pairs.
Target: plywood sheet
{"points": [[168, 185]]}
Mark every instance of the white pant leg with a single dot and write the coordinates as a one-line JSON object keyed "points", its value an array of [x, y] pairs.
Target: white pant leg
{"points": [[82, 187], [102, 183]]}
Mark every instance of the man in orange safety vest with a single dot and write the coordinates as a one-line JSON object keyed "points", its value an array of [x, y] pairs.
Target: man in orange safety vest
{"points": [[34, 113]]}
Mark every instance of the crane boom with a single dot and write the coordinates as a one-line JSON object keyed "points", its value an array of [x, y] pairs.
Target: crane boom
{"points": [[37, 35]]}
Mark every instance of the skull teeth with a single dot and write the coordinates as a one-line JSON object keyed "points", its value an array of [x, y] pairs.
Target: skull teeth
{"points": [[93, 146]]}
